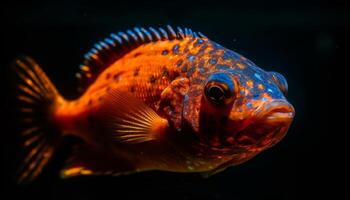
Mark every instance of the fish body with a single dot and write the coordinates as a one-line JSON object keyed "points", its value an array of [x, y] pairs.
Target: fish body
{"points": [[156, 99]]}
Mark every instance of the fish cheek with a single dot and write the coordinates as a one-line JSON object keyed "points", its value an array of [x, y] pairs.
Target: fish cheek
{"points": [[171, 101], [192, 106]]}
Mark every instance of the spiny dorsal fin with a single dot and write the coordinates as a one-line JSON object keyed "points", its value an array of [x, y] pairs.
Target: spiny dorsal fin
{"points": [[107, 51]]}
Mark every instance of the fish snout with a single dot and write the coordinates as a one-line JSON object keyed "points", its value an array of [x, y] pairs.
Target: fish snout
{"points": [[269, 124]]}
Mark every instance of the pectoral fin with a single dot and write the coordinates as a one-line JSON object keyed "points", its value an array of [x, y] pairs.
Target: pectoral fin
{"points": [[131, 120]]}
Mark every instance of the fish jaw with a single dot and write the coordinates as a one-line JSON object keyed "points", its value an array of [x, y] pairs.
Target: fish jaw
{"points": [[267, 127]]}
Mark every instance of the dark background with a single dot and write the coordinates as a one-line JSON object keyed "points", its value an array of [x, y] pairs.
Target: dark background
{"points": [[302, 40]]}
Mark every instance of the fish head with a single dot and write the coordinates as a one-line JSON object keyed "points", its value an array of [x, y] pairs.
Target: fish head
{"points": [[237, 108]]}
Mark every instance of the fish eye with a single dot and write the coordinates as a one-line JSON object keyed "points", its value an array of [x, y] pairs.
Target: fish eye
{"points": [[280, 81], [216, 93], [219, 89]]}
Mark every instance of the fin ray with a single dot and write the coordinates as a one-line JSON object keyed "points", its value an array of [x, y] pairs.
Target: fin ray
{"points": [[36, 98], [132, 120], [30, 75]]}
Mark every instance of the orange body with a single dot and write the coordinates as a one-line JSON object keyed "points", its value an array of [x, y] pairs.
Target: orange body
{"points": [[145, 73]]}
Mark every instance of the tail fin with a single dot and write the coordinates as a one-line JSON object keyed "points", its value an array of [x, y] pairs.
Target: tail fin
{"points": [[37, 99]]}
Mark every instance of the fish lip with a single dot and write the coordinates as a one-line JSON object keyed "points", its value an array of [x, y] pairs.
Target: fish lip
{"points": [[277, 111]]}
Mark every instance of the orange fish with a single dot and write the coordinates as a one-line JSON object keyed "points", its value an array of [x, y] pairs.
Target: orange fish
{"points": [[153, 99]]}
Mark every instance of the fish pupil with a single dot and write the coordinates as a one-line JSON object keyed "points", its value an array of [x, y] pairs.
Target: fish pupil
{"points": [[216, 93]]}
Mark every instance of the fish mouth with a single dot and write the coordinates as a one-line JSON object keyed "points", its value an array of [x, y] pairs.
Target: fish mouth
{"points": [[269, 125], [276, 112]]}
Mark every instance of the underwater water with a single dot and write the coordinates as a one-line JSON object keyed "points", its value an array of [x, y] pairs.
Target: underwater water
{"points": [[303, 41]]}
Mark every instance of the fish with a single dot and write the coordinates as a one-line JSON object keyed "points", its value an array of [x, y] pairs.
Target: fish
{"points": [[159, 99]]}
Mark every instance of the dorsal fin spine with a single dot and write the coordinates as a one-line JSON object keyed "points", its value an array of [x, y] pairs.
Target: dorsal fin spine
{"points": [[94, 51], [98, 46], [155, 33], [180, 32], [149, 36], [164, 34], [109, 41], [116, 38], [84, 68], [171, 31], [124, 36], [189, 33], [108, 50], [104, 45], [132, 34], [139, 33]]}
